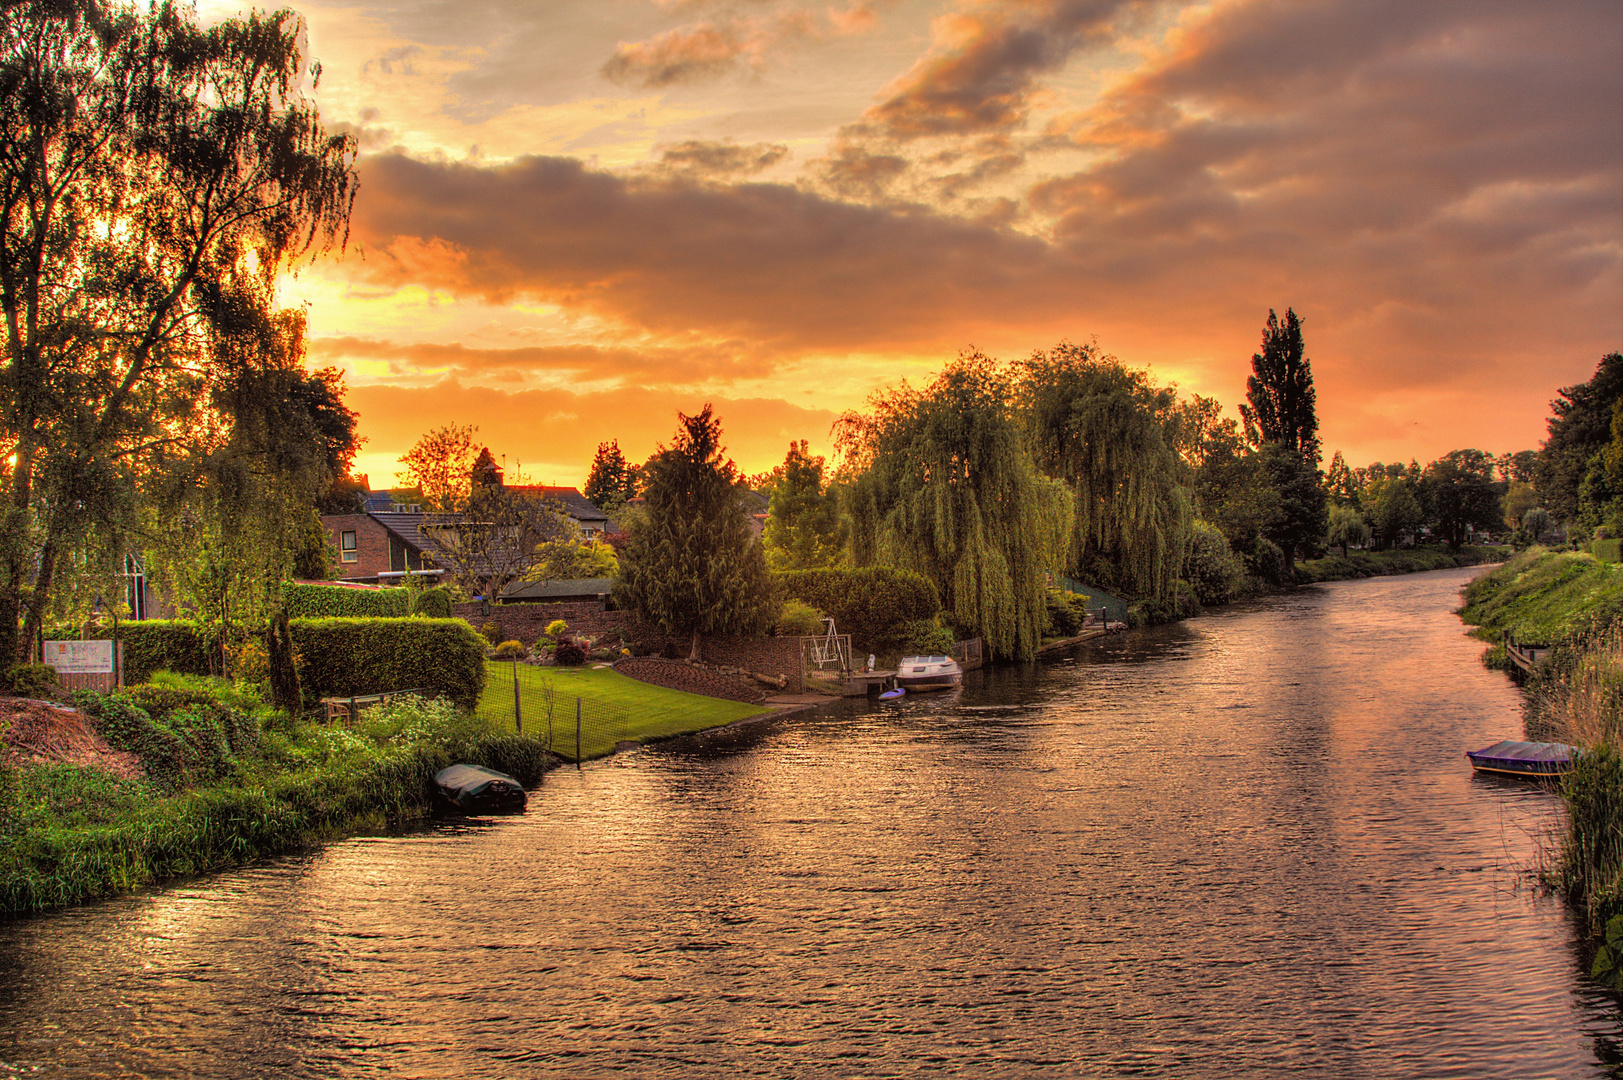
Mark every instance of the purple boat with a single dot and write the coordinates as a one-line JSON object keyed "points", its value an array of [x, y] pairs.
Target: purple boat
{"points": [[1534, 759]]}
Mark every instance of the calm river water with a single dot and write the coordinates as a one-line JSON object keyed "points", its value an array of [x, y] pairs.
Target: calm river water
{"points": [[1248, 845]]}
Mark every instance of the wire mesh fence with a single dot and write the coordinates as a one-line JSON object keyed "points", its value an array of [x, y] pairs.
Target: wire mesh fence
{"points": [[521, 699]]}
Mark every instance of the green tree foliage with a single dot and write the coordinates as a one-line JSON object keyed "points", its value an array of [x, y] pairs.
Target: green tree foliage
{"points": [[571, 559], [156, 177], [1109, 435], [613, 481], [440, 465], [692, 564], [1234, 490], [1341, 484], [804, 530], [1303, 519], [1347, 529], [1212, 567], [1520, 467], [946, 487], [501, 536], [1520, 497], [1393, 508], [1600, 496], [1280, 389], [1460, 492], [874, 604], [1580, 427]]}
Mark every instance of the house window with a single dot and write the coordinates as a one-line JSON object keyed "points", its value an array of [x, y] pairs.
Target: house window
{"points": [[346, 547], [135, 587]]}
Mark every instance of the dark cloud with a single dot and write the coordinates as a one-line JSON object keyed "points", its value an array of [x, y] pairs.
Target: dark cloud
{"points": [[698, 159], [983, 77], [683, 54]]}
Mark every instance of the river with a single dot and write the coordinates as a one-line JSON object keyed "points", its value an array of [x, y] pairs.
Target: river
{"points": [[1246, 845]]}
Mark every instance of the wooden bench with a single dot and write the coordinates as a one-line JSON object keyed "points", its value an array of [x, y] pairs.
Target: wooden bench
{"points": [[347, 708]]}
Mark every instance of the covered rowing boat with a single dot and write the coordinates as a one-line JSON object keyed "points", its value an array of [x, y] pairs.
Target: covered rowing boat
{"points": [[1514, 758], [475, 790]]}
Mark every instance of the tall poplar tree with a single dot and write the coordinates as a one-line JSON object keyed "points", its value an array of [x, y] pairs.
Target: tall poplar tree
{"points": [[692, 564], [804, 530], [1280, 389], [947, 487]]}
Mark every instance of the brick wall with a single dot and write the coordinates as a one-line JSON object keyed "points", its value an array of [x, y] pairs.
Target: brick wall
{"points": [[694, 678], [527, 622], [371, 545]]}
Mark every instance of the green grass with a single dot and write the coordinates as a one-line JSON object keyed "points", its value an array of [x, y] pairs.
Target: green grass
{"points": [[1546, 598], [614, 707]]}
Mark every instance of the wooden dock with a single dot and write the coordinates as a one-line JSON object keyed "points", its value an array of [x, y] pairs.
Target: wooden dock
{"points": [[1064, 644], [862, 683], [1524, 657]]}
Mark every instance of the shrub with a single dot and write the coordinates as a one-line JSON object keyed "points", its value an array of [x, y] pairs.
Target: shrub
{"points": [[433, 603], [569, 654], [1212, 567], [492, 633], [248, 661], [1067, 611], [31, 681], [163, 645], [613, 637], [369, 656], [510, 650], [557, 629], [874, 604], [187, 745], [1268, 561], [798, 619], [926, 637], [317, 601]]}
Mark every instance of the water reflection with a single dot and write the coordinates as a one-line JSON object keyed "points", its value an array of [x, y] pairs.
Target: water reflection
{"points": [[1246, 846]]}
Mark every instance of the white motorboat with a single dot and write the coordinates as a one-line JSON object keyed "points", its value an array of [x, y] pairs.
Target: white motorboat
{"points": [[928, 673]]}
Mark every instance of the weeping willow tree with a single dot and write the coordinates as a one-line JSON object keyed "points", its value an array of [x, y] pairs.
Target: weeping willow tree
{"points": [[943, 484], [1110, 436]]}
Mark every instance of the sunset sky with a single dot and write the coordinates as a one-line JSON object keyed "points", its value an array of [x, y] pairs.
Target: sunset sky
{"points": [[578, 217]]}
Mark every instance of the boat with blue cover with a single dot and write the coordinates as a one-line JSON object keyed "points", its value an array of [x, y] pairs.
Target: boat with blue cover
{"points": [[1532, 759]]}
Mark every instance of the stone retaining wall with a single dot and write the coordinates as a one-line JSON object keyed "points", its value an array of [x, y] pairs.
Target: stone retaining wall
{"points": [[694, 678]]}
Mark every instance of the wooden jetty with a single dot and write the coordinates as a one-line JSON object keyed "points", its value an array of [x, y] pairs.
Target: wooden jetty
{"points": [[1524, 657], [1063, 644]]}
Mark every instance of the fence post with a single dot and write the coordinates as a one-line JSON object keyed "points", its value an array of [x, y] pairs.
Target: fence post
{"points": [[518, 713], [577, 734]]}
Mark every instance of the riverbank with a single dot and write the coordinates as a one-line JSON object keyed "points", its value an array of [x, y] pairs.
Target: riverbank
{"points": [[1572, 605], [1364, 564], [195, 775], [613, 708]]}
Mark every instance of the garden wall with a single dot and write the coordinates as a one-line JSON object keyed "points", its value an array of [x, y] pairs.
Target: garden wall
{"points": [[527, 622]]}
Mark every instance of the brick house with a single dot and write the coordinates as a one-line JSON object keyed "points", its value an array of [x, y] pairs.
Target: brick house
{"points": [[379, 546]]}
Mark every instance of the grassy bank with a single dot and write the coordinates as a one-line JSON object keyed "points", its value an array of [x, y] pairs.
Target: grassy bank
{"points": [[1363, 564], [615, 708], [1572, 604], [223, 780]]}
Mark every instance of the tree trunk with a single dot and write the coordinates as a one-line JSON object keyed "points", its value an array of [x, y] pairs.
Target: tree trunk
{"points": [[693, 650]]}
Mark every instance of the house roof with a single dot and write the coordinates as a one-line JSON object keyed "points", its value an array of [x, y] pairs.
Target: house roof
{"points": [[552, 590], [408, 529], [574, 503]]}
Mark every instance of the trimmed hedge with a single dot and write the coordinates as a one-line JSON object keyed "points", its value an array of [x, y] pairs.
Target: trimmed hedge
{"points": [[368, 656], [336, 601], [876, 605], [162, 645]]}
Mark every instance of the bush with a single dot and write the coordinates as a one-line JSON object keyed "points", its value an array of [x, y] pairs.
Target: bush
{"points": [[163, 645], [31, 681], [343, 601], [1268, 562], [368, 656], [798, 619], [875, 604], [510, 650], [185, 744], [926, 637], [569, 654], [433, 603], [557, 629], [1067, 612], [1211, 567], [492, 633]]}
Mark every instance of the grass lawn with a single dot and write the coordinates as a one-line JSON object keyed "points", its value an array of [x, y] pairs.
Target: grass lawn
{"points": [[614, 708]]}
